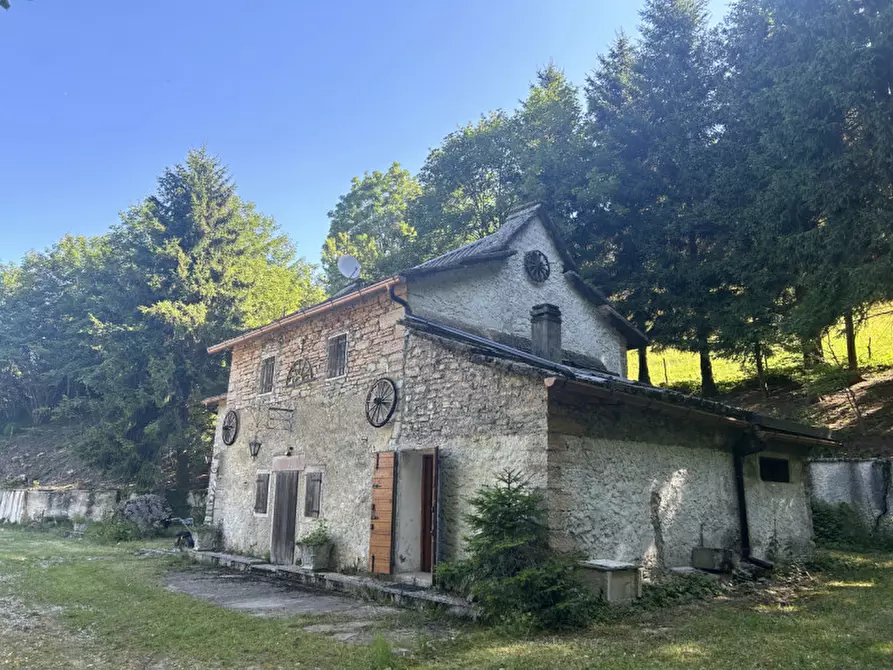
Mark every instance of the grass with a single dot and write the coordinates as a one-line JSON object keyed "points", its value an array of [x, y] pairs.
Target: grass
{"points": [[874, 346], [66, 603]]}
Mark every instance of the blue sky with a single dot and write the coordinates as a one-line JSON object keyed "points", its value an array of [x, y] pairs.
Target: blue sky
{"points": [[296, 97]]}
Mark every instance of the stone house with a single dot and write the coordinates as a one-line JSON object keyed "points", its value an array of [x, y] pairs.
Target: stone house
{"points": [[384, 408]]}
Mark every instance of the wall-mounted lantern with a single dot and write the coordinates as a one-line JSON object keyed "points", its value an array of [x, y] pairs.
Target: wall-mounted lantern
{"points": [[254, 448]]}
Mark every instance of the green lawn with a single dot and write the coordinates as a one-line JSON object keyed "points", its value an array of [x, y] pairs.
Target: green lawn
{"points": [[68, 603], [874, 346]]}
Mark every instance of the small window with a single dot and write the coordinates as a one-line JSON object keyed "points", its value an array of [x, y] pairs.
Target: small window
{"points": [[337, 357], [775, 469], [312, 488], [268, 367], [261, 492]]}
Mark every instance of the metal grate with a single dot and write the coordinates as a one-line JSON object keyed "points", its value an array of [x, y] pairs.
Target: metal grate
{"points": [[312, 489], [337, 356], [266, 374], [261, 493]]}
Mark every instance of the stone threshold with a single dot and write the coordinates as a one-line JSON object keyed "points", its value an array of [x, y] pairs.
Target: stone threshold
{"points": [[366, 587]]}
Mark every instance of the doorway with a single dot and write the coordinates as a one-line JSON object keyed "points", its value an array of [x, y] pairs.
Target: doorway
{"points": [[285, 510], [416, 519]]}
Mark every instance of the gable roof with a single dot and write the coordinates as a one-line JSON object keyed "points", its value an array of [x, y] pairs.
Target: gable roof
{"points": [[492, 247], [496, 245]]}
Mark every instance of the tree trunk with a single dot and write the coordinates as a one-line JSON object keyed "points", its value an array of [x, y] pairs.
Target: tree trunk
{"points": [[708, 384], [761, 371], [644, 375], [851, 358], [812, 351]]}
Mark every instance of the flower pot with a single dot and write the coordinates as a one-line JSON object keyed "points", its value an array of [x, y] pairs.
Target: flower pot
{"points": [[316, 556]]}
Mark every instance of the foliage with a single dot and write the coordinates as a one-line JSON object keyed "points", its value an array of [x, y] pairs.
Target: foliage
{"points": [[841, 526], [112, 331], [678, 590], [516, 579], [114, 527], [318, 536], [371, 223]]}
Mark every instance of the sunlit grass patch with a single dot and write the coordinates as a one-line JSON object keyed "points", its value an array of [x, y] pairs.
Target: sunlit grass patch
{"points": [[683, 652], [777, 609], [850, 585]]}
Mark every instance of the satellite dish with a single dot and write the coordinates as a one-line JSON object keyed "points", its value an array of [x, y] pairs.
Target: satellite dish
{"points": [[349, 267]]}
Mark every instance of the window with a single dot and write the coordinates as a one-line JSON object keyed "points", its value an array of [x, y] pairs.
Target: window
{"points": [[337, 357], [261, 492], [775, 469], [312, 487], [267, 369]]}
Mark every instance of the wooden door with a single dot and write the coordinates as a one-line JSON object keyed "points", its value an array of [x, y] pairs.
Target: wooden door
{"points": [[381, 526], [427, 514], [285, 510]]}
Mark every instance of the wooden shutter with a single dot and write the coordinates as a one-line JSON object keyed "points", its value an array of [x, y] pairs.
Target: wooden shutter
{"points": [[261, 493], [336, 365], [381, 528], [268, 367], [312, 489]]}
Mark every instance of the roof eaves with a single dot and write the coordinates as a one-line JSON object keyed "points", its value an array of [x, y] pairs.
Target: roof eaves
{"points": [[421, 270], [304, 313]]}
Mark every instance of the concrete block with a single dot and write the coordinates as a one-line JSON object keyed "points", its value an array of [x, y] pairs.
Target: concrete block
{"points": [[614, 581], [714, 559]]}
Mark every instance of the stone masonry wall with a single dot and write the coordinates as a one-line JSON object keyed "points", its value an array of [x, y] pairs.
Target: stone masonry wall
{"points": [[484, 416], [635, 485], [327, 429]]}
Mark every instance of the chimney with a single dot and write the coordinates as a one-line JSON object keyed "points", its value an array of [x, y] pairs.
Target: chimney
{"points": [[545, 332]]}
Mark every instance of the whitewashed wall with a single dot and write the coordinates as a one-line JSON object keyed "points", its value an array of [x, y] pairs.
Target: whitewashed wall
{"points": [[498, 296]]}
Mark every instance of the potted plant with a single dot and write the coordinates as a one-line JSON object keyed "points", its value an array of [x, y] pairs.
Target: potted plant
{"points": [[316, 548]]}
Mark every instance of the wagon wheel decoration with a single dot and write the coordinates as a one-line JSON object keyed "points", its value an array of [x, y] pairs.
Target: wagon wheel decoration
{"points": [[300, 371], [230, 427], [381, 401], [537, 266]]}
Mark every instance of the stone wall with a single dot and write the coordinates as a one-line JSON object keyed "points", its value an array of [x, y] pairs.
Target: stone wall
{"points": [[498, 296], [483, 416], [326, 429], [865, 485], [635, 485], [24, 505]]}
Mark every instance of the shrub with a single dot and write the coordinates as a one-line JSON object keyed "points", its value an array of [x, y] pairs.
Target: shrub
{"points": [[514, 576], [114, 528], [318, 536]]}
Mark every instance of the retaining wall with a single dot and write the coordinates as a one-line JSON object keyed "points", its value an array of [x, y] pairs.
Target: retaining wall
{"points": [[24, 505], [865, 485]]}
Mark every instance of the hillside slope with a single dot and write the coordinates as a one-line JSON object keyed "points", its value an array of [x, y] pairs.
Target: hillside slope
{"points": [[42, 454]]}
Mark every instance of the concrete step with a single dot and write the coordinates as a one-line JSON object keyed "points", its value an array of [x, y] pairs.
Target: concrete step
{"points": [[365, 587]]}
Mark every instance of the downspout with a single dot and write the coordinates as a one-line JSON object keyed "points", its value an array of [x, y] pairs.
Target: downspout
{"points": [[400, 301], [738, 454]]}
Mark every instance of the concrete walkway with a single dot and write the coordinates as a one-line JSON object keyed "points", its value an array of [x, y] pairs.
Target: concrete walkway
{"points": [[346, 618], [406, 595]]}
